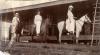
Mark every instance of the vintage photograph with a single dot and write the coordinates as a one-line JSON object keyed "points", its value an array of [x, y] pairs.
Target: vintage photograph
{"points": [[49, 27]]}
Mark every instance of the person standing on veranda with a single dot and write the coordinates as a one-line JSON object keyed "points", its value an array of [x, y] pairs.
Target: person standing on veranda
{"points": [[14, 25], [37, 22], [70, 22]]}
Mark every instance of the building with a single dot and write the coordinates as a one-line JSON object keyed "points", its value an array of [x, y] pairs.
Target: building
{"points": [[56, 9]]}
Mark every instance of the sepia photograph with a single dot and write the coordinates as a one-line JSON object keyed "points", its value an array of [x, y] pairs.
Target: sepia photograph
{"points": [[49, 27]]}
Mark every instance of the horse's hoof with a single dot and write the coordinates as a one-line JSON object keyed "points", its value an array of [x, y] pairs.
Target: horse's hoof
{"points": [[65, 43], [60, 42], [67, 33]]}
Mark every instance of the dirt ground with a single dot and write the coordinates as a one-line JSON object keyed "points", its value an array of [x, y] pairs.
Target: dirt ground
{"points": [[24, 48], [51, 48]]}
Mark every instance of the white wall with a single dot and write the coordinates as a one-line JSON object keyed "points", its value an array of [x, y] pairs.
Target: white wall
{"points": [[4, 30]]}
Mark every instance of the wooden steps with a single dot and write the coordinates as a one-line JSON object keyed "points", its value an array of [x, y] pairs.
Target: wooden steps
{"points": [[96, 21], [97, 18]]}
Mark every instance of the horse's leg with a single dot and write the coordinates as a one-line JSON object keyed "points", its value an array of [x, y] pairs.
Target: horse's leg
{"points": [[12, 40], [59, 37], [18, 37], [77, 36], [32, 37], [60, 28], [46, 33], [32, 34], [45, 36], [60, 32]]}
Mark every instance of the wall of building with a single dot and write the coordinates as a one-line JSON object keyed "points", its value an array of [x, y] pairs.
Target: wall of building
{"points": [[56, 14]]}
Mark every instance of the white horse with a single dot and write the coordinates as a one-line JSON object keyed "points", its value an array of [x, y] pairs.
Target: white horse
{"points": [[79, 23]]}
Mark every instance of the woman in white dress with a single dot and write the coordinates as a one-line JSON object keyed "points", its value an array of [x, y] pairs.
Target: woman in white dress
{"points": [[70, 22]]}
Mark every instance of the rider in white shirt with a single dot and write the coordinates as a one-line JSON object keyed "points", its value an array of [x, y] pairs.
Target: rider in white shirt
{"points": [[15, 22], [14, 25], [70, 22]]}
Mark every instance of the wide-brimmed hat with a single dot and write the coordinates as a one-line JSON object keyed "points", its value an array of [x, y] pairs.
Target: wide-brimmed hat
{"points": [[70, 6], [17, 13]]}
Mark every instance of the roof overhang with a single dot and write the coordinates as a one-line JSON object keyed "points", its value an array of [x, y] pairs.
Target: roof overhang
{"points": [[58, 2]]}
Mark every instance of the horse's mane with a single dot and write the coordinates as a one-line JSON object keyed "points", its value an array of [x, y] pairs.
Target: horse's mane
{"points": [[81, 17]]}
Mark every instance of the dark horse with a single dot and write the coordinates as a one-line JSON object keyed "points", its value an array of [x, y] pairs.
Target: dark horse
{"points": [[31, 30], [44, 30], [18, 32]]}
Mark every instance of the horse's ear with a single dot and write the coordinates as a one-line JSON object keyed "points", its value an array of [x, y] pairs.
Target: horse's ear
{"points": [[86, 14]]}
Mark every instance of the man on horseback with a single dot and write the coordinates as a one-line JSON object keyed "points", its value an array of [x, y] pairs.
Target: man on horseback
{"points": [[14, 27], [70, 22], [37, 22]]}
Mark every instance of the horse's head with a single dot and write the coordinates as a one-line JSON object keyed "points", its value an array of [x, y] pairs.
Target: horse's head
{"points": [[87, 19], [48, 21]]}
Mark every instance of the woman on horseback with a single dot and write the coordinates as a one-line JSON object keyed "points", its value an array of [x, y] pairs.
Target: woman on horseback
{"points": [[70, 22]]}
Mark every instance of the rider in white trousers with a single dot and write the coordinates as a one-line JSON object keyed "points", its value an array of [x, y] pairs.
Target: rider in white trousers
{"points": [[37, 22], [70, 22], [14, 25]]}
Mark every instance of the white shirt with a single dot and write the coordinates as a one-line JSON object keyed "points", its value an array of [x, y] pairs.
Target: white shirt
{"points": [[15, 21], [70, 15], [37, 18]]}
